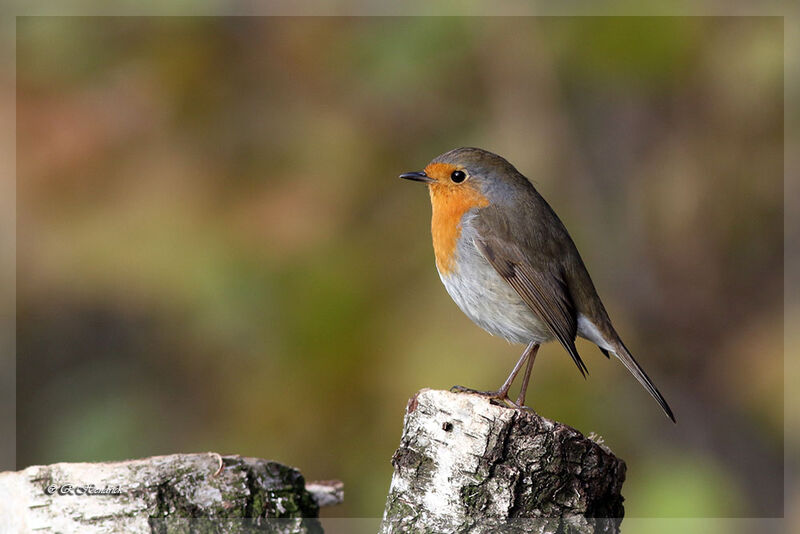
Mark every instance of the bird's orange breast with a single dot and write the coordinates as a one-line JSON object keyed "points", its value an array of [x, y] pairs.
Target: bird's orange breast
{"points": [[449, 202]]}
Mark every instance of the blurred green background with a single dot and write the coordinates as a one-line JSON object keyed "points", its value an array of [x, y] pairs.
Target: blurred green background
{"points": [[215, 253]]}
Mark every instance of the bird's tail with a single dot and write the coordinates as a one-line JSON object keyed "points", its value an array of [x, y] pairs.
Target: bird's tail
{"points": [[624, 355]]}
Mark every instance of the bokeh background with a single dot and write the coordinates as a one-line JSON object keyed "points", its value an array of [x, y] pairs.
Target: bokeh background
{"points": [[214, 252]]}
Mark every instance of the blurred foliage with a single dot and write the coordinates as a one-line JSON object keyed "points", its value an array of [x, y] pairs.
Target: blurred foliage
{"points": [[214, 252]]}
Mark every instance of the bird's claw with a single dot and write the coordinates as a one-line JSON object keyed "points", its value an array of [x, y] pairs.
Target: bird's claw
{"points": [[490, 394], [497, 396]]}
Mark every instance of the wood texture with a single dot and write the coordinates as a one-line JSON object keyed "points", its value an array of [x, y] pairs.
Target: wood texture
{"points": [[467, 465], [164, 494]]}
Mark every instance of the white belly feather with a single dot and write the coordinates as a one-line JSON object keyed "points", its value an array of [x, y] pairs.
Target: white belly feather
{"points": [[486, 298]]}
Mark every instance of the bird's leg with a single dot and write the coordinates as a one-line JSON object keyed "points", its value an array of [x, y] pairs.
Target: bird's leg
{"points": [[502, 393], [527, 377]]}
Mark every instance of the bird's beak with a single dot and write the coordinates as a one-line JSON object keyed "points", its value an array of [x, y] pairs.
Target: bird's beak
{"points": [[417, 177]]}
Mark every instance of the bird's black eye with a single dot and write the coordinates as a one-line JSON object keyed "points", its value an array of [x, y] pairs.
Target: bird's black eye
{"points": [[458, 176]]}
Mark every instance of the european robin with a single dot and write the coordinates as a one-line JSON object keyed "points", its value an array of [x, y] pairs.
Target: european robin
{"points": [[509, 263]]}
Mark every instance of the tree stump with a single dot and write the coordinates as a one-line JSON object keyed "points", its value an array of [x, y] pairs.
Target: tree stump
{"points": [[466, 464], [181, 493]]}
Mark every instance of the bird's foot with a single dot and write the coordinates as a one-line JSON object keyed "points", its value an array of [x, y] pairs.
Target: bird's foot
{"points": [[523, 408], [491, 394], [519, 404], [497, 397]]}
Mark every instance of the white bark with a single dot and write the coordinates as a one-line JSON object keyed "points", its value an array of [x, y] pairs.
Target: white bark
{"points": [[162, 494], [468, 465]]}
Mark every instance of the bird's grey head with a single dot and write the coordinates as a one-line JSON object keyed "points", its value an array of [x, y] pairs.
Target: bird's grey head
{"points": [[492, 175]]}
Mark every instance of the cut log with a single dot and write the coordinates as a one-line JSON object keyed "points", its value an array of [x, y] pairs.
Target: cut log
{"points": [[466, 464], [163, 494]]}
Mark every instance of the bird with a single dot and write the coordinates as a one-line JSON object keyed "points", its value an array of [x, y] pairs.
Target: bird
{"points": [[510, 265]]}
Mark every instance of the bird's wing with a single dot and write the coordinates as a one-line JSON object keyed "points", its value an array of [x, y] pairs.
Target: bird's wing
{"points": [[542, 289]]}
